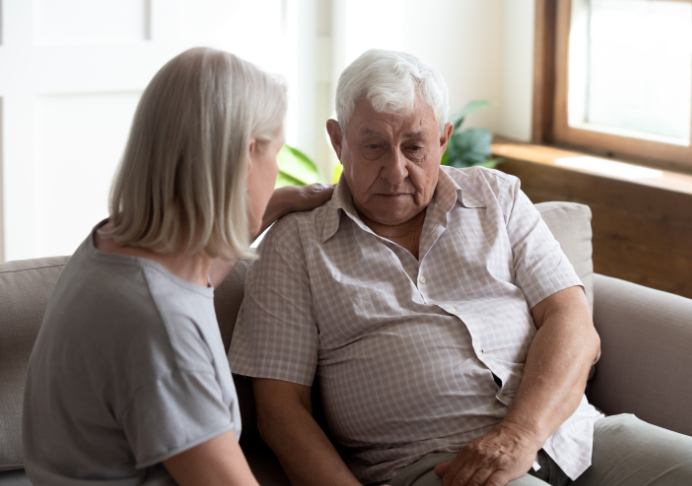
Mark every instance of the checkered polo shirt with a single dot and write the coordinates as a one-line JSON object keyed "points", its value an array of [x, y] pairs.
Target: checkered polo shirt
{"points": [[405, 349]]}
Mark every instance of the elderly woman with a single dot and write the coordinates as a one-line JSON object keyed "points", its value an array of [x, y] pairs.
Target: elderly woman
{"points": [[128, 382]]}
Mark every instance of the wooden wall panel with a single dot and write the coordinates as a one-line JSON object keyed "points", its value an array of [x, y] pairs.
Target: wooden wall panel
{"points": [[641, 234]]}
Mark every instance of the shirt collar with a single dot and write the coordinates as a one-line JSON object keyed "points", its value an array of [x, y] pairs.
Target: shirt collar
{"points": [[341, 201], [447, 193]]}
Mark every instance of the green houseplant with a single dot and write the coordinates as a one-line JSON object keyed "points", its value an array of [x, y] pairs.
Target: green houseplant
{"points": [[296, 168], [469, 147]]}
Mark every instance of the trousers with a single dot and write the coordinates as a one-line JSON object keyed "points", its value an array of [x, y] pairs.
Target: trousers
{"points": [[626, 452]]}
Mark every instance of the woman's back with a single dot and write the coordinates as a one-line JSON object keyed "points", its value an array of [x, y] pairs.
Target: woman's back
{"points": [[128, 370]]}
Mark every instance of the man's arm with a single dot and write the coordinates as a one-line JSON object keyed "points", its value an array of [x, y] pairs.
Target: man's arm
{"points": [[285, 422], [554, 380], [216, 462]]}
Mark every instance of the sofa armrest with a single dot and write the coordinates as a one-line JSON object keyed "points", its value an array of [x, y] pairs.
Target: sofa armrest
{"points": [[646, 362]]}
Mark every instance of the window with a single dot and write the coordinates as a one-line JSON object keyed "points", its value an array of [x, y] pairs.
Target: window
{"points": [[622, 77]]}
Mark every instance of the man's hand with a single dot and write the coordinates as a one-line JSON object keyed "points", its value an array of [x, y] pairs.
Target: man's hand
{"points": [[503, 454], [290, 199], [551, 389]]}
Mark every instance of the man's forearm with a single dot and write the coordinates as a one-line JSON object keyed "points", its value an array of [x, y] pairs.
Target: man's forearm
{"points": [[305, 452], [556, 369]]}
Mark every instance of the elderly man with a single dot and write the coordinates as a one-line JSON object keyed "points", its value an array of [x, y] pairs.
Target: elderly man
{"points": [[450, 337]]}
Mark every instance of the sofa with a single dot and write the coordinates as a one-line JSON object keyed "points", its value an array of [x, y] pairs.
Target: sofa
{"points": [[645, 367]]}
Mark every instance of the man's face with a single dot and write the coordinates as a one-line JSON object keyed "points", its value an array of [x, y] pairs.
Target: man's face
{"points": [[391, 160]]}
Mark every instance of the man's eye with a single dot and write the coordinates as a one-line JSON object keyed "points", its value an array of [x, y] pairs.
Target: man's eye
{"points": [[416, 148], [373, 146]]}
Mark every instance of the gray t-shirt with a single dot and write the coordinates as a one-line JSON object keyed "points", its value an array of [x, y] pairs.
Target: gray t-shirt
{"points": [[128, 370]]}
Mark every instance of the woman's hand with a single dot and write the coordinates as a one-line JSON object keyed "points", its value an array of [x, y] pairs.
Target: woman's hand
{"points": [[290, 199]]}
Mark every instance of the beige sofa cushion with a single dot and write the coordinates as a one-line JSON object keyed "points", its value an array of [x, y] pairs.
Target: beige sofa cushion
{"points": [[570, 224], [25, 287], [227, 299]]}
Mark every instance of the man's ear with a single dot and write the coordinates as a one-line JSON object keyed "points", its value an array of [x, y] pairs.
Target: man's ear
{"points": [[446, 133], [335, 135]]}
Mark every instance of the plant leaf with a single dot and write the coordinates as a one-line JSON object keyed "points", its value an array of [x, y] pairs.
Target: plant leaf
{"points": [[296, 168], [459, 117], [492, 163], [336, 175], [469, 147], [286, 180]]}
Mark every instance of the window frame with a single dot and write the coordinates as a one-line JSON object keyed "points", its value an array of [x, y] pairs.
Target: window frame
{"points": [[550, 107]]}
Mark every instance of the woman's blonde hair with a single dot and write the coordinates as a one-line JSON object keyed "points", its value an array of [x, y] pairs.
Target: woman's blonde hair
{"points": [[182, 181]]}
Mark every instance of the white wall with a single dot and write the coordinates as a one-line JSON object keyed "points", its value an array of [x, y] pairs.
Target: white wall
{"points": [[517, 70], [483, 48], [70, 78], [71, 73], [461, 38]]}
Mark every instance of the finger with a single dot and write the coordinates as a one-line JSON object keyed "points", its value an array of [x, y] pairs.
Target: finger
{"points": [[500, 478], [441, 469], [460, 475], [458, 471], [480, 477]]}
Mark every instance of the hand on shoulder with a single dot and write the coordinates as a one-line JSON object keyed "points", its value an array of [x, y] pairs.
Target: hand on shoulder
{"points": [[290, 199]]}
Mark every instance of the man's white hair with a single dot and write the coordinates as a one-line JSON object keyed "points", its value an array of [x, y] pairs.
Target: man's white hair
{"points": [[390, 81]]}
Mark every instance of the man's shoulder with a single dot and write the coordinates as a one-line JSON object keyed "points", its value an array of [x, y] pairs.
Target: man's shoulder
{"points": [[483, 182], [296, 229], [478, 175]]}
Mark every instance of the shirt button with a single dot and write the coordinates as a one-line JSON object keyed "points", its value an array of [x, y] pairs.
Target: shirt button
{"points": [[480, 351], [452, 309], [422, 280]]}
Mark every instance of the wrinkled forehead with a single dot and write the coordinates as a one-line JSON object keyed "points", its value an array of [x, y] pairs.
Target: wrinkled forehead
{"points": [[418, 120]]}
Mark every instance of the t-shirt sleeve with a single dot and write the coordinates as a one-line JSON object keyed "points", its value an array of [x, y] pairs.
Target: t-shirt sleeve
{"points": [[276, 335], [541, 267], [174, 413]]}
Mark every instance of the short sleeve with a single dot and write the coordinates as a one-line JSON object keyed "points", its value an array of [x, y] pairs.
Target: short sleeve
{"points": [[174, 413], [541, 267], [276, 334]]}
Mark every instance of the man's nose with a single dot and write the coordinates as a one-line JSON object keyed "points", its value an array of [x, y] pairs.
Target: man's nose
{"points": [[394, 170]]}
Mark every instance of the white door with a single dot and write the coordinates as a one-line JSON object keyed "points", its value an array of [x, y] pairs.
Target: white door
{"points": [[72, 71]]}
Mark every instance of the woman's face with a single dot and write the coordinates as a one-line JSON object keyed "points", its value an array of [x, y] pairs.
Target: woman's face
{"points": [[261, 177]]}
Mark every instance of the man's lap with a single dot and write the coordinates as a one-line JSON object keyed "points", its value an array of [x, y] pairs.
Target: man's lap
{"points": [[627, 452]]}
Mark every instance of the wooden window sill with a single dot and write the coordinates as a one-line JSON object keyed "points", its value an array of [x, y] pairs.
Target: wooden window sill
{"points": [[622, 171], [642, 217]]}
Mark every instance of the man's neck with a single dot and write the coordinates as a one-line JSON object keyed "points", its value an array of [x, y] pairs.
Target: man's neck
{"points": [[407, 234]]}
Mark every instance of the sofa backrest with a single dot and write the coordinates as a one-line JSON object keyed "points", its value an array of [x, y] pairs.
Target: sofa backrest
{"points": [[25, 287], [570, 223]]}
